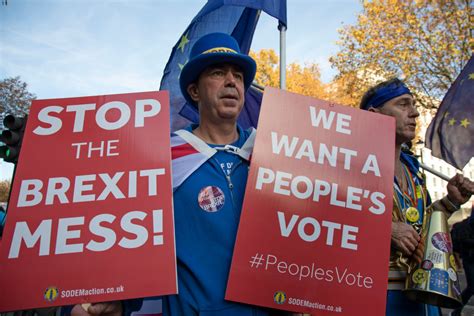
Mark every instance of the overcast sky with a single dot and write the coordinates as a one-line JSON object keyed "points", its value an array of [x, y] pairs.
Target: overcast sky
{"points": [[72, 48]]}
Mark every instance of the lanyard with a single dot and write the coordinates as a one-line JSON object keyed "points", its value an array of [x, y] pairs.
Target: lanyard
{"points": [[411, 203]]}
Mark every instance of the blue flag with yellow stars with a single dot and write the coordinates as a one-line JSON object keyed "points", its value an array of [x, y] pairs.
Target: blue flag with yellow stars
{"points": [[450, 135], [439, 281], [235, 17]]}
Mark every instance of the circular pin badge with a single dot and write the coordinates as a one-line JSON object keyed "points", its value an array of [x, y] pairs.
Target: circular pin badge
{"points": [[442, 242], [427, 265], [412, 214], [452, 275], [211, 199], [452, 262], [419, 276]]}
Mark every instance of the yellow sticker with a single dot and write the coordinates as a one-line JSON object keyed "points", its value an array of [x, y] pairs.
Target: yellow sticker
{"points": [[452, 261], [418, 192], [412, 214], [419, 276]]}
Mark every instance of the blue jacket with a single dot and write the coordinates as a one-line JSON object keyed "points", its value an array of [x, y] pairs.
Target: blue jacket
{"points": [[209, 185]]}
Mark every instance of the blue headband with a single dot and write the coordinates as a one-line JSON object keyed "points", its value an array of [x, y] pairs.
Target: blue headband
{"points": [[385, 94]]}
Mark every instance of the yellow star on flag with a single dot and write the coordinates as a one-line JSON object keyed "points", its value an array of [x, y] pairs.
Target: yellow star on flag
{"points": [[451, 122], [181, 66], [471, 76], [183, 42], [465, 123]]}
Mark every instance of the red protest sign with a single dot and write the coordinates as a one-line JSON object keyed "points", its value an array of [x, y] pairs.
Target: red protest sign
{"points": [[314, 233], [90, 215]]}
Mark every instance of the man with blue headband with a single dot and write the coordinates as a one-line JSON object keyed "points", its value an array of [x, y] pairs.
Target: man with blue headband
{"points": [[411, 198]]}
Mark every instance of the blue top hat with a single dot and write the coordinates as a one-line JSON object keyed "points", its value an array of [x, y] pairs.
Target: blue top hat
{"points": [[215, 48]]}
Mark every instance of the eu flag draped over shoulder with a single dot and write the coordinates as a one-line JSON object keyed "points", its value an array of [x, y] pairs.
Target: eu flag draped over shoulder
{"points": [[450, 135], [235, 17]]}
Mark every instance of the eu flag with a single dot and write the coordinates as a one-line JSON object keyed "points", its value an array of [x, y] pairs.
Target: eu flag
{"points": [[439, 281], [235, 17], [450, 135]]}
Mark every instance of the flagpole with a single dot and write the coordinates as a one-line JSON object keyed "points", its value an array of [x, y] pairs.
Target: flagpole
{"points": [[282, 29], [435, 172], [425, 167], [256, 85]]}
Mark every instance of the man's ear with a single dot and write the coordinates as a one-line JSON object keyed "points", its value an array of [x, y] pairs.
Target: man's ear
{"points": [[193, 92], [376, 110]]}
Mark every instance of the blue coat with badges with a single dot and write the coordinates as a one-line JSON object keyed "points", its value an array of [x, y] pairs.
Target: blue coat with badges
{"points": [[397, 302]]}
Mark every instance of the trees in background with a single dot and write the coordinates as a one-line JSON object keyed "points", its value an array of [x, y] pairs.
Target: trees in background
{"points": [[4, 190], [424, 42], [300, 79], [14, 98]]}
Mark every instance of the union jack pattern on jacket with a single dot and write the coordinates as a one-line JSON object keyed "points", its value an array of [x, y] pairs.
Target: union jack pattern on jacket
{"points": [[189, 152]]}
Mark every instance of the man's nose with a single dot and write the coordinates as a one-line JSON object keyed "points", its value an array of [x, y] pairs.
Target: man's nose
{"points": [[230, 78], [414, 111]]}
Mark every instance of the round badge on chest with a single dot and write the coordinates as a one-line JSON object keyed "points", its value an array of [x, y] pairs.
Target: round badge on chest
{"points": [[211, 199], [412, 214]]}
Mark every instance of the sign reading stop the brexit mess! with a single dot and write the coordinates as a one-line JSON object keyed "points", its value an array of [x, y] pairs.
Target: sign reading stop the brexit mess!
{"points": [[90, 215], [314, 234]]}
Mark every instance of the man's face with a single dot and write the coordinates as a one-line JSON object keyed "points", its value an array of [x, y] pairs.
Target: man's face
{"points": [[219, 92], [403, 109]]}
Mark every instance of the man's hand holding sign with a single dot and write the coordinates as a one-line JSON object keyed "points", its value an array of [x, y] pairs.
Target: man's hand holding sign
{"points": [[317, 207], [92, 210]]}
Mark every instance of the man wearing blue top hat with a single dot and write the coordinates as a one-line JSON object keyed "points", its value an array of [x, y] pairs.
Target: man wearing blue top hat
{"points": [[411, 198], [210, 163]]}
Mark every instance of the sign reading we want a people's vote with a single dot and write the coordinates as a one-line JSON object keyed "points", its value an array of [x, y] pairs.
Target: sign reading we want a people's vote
{"points": [[90, 215], [314, 234]]}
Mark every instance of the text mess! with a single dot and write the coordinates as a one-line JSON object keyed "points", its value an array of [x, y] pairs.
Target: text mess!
{"points": [[70, 230]]}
